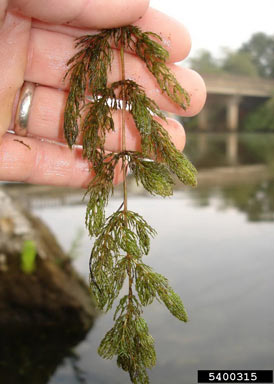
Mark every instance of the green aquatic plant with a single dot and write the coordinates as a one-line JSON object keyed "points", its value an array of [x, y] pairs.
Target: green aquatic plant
{"points": [[28, 257], [122, 239]]}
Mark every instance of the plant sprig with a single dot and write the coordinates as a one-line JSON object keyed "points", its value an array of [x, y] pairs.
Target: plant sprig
{"points": [[123, 239]]}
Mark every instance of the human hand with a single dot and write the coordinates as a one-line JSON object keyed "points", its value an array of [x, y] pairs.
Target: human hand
{"points": [[37, 50]]}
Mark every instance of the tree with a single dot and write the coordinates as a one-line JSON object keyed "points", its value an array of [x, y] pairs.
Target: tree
{"points": [[261, 49], [262, 119], [239, 63], [204, 62]]}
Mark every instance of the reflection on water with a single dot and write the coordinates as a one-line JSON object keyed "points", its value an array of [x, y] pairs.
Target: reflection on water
{"points": [[211, 150], [256, 200], [31, 356], [215, 244], [248, 162]]}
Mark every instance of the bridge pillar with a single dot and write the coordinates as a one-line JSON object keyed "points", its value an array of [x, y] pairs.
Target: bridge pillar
{"points": [[232, 148], [232, 112]]}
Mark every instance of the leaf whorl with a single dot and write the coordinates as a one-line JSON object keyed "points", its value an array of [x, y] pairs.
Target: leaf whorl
{"points": [[122, 239]]}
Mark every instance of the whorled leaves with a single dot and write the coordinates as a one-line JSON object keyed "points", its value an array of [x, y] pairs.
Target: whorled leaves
{"points": [[122, 239]]}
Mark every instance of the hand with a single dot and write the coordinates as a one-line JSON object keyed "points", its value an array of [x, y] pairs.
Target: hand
{"points": [[37, 50]]}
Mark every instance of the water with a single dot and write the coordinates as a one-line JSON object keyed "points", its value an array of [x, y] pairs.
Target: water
{"points": [[215, 244]]}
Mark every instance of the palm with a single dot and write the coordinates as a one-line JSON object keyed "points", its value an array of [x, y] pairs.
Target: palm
{"points": [[38, 52]]}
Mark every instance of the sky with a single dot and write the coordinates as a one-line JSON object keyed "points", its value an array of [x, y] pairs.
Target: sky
{"points": [[214, 24]]}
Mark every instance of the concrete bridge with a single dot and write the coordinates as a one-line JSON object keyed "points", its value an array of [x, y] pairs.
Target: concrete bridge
{"points": [[233, 93]]}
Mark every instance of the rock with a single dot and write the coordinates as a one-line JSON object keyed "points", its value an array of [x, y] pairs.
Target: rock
{"points": [[53, 295]]}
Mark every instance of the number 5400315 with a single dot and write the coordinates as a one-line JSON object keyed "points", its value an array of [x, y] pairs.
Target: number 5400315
{"points": [[232, 376]]}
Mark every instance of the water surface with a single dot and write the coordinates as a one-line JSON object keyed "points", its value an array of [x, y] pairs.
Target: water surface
{"points": [[216, 246]]}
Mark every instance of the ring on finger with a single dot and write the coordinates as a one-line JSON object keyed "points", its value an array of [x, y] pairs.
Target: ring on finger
{"points": [[23, 108]]}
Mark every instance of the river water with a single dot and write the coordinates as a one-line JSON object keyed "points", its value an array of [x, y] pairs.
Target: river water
{"points": [[215, 244]]}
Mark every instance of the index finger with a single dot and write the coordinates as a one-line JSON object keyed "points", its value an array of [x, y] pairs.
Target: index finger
{"points": [[175, 37], [83, 13]]}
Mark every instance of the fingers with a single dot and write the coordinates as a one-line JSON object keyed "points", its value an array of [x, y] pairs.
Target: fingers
{"points": [[49, 53], [3, 8], [133, 140], [40, 162], [175, 37], [14, 37], [83, 13], [46, 120]]}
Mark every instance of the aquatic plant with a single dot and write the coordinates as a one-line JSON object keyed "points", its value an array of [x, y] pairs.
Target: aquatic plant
{"points": [[122, 239], [28, 257]]}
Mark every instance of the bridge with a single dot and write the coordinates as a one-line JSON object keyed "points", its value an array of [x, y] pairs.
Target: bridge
{"points": [[233, 93]]}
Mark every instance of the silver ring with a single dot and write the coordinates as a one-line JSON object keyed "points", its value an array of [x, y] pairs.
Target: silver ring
{"points": [[23, 108]]}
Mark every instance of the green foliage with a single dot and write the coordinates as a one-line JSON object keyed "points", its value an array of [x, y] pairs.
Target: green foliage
{"points": [[164, 150], [97, 122], [124, 233], [155, 177], [94, 58], [204, 62], [154, 56], [28, 257], [260, 47], [130, 341], [239, 63], [99, 190], [254, 58], [262, 118], [122, 239], [236, 63], [150, 284]]}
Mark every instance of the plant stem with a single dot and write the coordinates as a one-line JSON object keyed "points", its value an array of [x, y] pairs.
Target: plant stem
{"points": [[130, 280], [123, 121]]}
